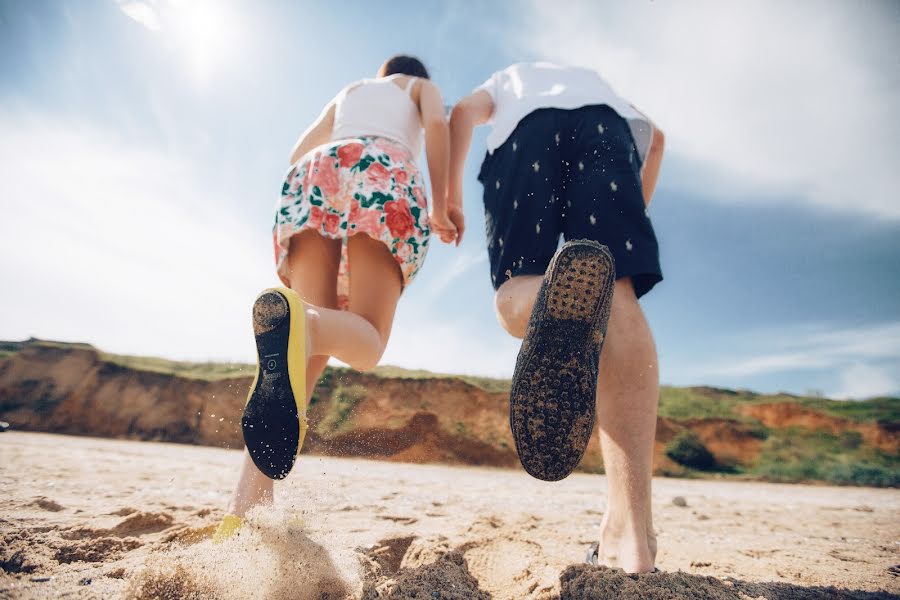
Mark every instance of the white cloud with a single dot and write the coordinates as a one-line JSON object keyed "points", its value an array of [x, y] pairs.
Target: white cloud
{"points": [[780, 98], [863, 357], [423, 338], [141, 12], [460, 265], [865, 381], [814, 348], [121, 246]]}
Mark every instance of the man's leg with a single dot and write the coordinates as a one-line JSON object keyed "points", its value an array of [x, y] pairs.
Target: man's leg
{"points": [[513, 303], [627, 394], [627, 397]]}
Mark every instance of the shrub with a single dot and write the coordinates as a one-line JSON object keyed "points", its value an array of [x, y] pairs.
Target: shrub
{"points": [[758, 430], [687, 450], [343, 400]]}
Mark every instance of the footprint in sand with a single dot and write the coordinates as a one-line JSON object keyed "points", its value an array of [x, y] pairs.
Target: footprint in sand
{"points": [[48, 504], [510, 566], [506, 563], [104, 549], [124, 512], [142, 523], [396, 519], [190, 535], [137, 524]]}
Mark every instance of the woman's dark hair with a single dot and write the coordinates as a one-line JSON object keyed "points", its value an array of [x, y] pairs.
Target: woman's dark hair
{"points": [[403, 65]]}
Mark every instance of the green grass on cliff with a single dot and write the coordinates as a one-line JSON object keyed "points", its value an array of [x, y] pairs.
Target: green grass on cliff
{"points": [[206, 371], [787, 454], [488, 384], [794, 455], [675, 402], [712, 403]]}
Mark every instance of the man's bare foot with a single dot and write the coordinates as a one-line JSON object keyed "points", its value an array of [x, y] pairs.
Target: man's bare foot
{"points": [[631, 548]]}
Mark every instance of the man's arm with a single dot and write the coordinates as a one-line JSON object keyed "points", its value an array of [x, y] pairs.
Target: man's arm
{"points": [[316, 135], [652, 162], [475, 109]]}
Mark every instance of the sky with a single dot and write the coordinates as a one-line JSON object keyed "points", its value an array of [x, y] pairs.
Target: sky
{"points": [[143, 145]]}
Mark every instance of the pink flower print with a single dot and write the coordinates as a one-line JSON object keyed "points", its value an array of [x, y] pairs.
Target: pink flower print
{"points": [[401, 176], [398, 219], [332, 222], [377, 175], [366, 220], [395, 151], [326, 177], [349, 154], [315, 217]]}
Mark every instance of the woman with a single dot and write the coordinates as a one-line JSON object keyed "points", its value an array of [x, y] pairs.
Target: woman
{"points": [[351, 232]]}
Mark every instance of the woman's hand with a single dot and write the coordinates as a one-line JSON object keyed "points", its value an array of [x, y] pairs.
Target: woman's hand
{"points": [[449, 224]]}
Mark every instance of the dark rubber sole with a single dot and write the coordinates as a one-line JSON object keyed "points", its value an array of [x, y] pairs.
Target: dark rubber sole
{"points": [[552, 403], [270, 422]]}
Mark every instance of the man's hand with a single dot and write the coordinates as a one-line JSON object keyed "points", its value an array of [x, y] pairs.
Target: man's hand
{"points": [[449, 224]]}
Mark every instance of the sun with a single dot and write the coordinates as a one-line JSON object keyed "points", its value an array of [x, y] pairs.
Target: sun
{"points": [[205, 34], [205, 31]]}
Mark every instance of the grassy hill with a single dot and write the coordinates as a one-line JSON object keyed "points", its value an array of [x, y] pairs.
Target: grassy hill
{"points": [[702, 431]]}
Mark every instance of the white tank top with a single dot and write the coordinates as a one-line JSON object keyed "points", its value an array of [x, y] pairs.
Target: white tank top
{"points": [[379, 107]]}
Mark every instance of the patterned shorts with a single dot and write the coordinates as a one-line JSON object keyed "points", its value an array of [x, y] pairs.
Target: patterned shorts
{"points": [[365, 185], [570, 173]]}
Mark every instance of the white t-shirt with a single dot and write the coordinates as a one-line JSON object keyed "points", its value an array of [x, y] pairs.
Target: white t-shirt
{"points": [[522, 88]]}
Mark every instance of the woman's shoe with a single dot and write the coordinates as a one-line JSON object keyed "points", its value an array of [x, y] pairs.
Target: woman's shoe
{"points": [[227, 528], [274, 420]]}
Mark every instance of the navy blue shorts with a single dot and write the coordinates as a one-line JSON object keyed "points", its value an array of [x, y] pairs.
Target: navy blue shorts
{"points": [[574, 173]]}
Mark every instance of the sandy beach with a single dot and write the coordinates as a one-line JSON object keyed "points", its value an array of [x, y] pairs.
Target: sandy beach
{"points": [[92, 518]]}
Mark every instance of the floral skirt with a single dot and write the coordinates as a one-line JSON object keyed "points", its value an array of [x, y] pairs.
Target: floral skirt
{"points": [[365, 185]]}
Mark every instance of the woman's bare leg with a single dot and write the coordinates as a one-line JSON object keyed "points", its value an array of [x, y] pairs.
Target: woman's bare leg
{"points": [[357, 337], [375, 287], [313, 262]]}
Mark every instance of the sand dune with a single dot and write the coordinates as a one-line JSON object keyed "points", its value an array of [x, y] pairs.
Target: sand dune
{"points": [[91, 518]]}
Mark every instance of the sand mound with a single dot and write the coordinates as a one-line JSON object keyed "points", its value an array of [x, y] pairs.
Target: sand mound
{"points": [[21, 553], [447, 578], [585, 582], [273, 557], [270, 557]]}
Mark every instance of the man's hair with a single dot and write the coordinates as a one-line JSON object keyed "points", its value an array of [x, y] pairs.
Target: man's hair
{"points": [[403, 65]]}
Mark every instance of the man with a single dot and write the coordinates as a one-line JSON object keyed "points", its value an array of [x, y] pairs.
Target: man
{"points": [[567, 156]]}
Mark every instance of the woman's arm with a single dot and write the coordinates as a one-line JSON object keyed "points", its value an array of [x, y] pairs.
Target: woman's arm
{"points": [[317, 134], [437, 139], [652, 162], [472, 110], [437, 151]]}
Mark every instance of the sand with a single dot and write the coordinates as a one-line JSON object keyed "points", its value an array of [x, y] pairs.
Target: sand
{"points": [[92, 518]]}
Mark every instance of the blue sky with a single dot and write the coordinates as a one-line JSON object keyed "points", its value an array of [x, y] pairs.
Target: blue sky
{"points": [[142, 145]]}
